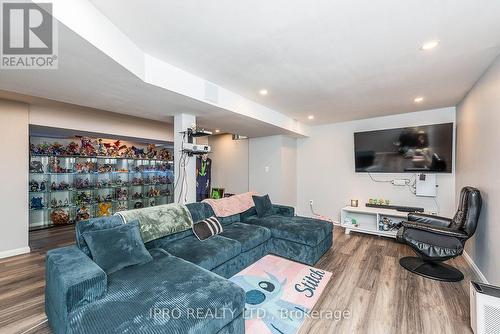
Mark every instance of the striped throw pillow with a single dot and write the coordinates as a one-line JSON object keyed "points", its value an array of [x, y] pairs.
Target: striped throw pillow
{"points": [[207, 228]]}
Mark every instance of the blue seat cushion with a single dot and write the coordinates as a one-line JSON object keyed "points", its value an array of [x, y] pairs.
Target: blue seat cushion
{"points": [[249, 236], [208, 253], [307, 231], [156, 297]]}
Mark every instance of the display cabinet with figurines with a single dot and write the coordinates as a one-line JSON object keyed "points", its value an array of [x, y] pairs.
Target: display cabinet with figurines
{"points": [[75, 179]]}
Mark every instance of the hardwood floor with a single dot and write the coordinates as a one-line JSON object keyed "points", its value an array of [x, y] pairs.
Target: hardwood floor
{"points": [[368, 285]]}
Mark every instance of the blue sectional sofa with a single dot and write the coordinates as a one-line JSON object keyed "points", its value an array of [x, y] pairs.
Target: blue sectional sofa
{"points": [[185, 274]]}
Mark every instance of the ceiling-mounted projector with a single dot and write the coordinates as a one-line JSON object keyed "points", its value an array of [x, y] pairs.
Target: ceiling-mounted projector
{"points": [[195, 148]]}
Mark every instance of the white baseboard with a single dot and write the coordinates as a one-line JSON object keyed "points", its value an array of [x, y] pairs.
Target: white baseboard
{"points": [[475, 267], [14, 252]]}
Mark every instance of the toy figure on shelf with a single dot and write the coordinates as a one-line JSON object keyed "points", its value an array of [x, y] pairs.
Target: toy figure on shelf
{"points": [[104, 209], [36, 203], [138, 205], [152, 202], [57, 149], [34, 187], [151, 151], [153, 192], [63, 185], [106, 168], [72, 149], [85, 167], [164, 154], [55, 166], [42, 185], [36, 167], [137, 181], [86, 147], [121, 194], [121, 206], [39, 148], [83, 198], [82, 213], [53, 203], [101, 149], [82, 183], [137, 195], [59, 217], [138, 152], [113, 150]]}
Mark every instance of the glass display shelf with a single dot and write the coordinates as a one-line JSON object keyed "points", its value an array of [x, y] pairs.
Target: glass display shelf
{"points": [[94, 186]]}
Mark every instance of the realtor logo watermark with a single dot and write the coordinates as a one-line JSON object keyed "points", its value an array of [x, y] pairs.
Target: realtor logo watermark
{"points": [[29, 36]]}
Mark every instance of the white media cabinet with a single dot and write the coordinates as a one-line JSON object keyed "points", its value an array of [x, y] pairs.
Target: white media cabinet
{"points": [[368, 220]]}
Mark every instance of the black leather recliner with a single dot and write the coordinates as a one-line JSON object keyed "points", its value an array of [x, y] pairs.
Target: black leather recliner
{"points": [[436, 239]]}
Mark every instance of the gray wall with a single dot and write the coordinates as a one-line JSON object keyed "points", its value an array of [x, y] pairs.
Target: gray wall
{"points": [[478, 161], [325, 167], [272, 168], [14, 178], [229, 163]]}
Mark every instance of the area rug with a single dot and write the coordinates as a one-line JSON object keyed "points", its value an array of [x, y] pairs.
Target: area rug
{"points": [[279, 294]]}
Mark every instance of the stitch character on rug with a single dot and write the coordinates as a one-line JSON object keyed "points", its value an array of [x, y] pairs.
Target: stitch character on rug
{"points": [[263, 300]]}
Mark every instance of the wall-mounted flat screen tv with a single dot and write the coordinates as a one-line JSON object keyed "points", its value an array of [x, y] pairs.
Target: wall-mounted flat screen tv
{"points": [[427, 148]]}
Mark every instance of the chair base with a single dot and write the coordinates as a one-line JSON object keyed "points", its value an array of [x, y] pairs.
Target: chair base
{"points": [[433, 270]]}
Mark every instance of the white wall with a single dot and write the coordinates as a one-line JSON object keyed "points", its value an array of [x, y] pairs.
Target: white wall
{"points": [[478, 158], [229, 163], [272, 168], [325, 167], [67, 116], [14, 178]]}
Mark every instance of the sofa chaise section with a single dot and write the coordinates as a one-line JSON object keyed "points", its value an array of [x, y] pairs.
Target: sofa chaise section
{"points": [[160, 296]]}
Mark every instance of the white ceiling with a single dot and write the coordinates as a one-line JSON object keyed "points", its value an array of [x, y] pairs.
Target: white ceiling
{"points": [[88, 77], [338, 60]]}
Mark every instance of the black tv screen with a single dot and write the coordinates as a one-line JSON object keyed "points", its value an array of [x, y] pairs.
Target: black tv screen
{"points": [[427, 148]]}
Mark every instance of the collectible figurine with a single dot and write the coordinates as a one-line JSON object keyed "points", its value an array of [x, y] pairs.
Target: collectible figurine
{"points": [[42, 185], [86, 147], [113, 150], [34, 187], [121, 206], [137, 195], [101, 149], [36, 203], [138, 152], [151, 151], [57, 149], [152, 202], [53, 203], [106, 168], [138, 205], [72, 149], [36, 167], [121, 194], [82, 214], [59, 217], [104, 209]]}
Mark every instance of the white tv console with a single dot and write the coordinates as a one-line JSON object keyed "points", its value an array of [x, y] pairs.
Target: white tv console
{"points": [[367, 220]]}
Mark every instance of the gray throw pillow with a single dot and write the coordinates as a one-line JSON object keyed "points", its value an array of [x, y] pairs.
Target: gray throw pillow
{"points": [[263, 205], [117, 247]]}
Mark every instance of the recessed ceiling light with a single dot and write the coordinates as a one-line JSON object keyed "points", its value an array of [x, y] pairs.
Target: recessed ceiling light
{"points": [[263, 92], [418, 99], [310, 117], [217, 130], [429, 45]]}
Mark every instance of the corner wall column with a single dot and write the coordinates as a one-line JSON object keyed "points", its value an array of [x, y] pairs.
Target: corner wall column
{"points": [[187, 193]]}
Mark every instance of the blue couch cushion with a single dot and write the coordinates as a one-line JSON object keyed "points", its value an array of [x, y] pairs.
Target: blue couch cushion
{"points": [[156, 297], [200, 211], [117, 247], [208, 253], [307, 231], [249, 236], [94, 225]]}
